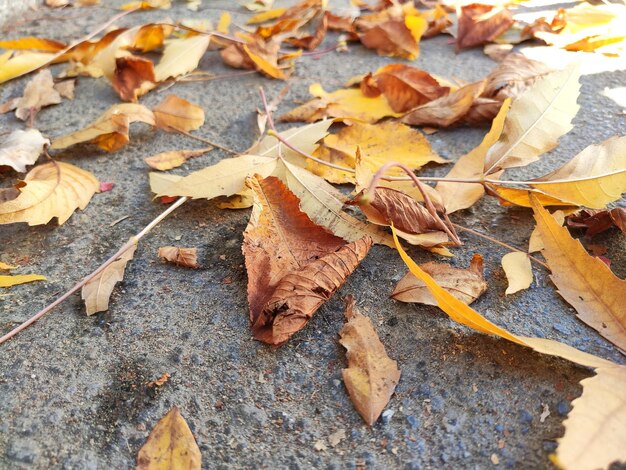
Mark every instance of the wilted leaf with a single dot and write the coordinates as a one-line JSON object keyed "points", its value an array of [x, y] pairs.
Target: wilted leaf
{"points": [[480, 23], [371, 376], [396, 37], [461, 196], [49, 190], [293, 265], [518, 271], [39, 92], [181, 56], [8, 281], [97, 292], [174, 113], [584, 281], [464, 284], [168, 160], [110, 130], [536, 120], [513, 75], [187, 257], [597, 221], [22, 148], [447, 110], [171, 445], [133, 77]]}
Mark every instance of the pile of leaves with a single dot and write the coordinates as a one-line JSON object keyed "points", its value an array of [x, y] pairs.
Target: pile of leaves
{"points": [[301, 243]]}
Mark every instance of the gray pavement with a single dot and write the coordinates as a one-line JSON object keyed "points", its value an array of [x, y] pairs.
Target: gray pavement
{"points": [[73, 389]]}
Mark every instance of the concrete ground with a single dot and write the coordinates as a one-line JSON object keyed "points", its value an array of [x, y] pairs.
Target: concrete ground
{"points": [[73, 391]]}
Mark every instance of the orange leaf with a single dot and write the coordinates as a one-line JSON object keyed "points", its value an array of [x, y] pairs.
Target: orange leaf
{"points": [[174, 113], [480, 23], [133, 77]]}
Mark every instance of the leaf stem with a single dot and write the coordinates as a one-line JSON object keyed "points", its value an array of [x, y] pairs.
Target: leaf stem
{"points": [[206, 141], [125, 247], [498, 242]]}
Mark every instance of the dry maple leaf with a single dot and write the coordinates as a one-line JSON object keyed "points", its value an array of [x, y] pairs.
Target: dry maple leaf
{"points": [[171, 445], [371, 376], [133, 77], [22, 148], [187, 257], [584, 281], [518, 271], [110, 130], [480, 23], [97, 292], [174, 113], [50, 190], [286, 254], [464, 284]]}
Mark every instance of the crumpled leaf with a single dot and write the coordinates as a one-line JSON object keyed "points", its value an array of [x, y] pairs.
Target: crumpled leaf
{"points": [[257, 54], [584, 281], [39, 92], [344, 103], [97, 292], [536, 120], [371, 376], [464, 284], [187, 257], [447, 110], [174, 113], [293, 265], [513, 75], [461, 196], [398, 37], [110, 130], [181, 56], [133, 77], [50, 190], [171, 445], [480, 23], [518, 271], [22, 148], [597, 221], [167, 160], [408, 146]]}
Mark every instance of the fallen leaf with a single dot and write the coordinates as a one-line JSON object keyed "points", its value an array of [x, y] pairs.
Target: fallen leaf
{"points": [[66, 88], [39, 92], [22, 148], [187, 257], [395, 37], [6, 267], [257, 54], [110, 130], [518, 271], [335, 438], [513, 75], [464, 284], [133, 77], [174, 113], [181, 56], [597, 221], [167, 160], [535, 243], [536, 120], [293, 265], [33, 43], [8, 281], [371, 376], [22, 64], [584, 281], [50, 190], [171, 445], [242, 200], [160, 381], [461, 196], [97, 292], [480, 23]]}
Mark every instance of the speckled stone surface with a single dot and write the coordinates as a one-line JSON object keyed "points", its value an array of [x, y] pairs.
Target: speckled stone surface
{"points": [[73, 391]]}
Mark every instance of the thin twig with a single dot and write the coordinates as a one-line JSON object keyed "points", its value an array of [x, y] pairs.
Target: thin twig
{"points": [[206, 141], [498, 242], [133, 241]]}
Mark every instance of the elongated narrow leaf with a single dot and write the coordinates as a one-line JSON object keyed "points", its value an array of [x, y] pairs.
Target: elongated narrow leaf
{"points": [[8, 281], [584, 281]]}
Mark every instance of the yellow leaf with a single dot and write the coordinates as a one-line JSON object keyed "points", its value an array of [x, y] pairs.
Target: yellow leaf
{"points": [[224, 23], [518, 271], [174, 113], [6, 266], [371, 376], [593, 178], [520, 197], [181, 56], [8, 281], [464, 314], [51, 190], [536, 120], [461, 196], [167, 160], [171, 445], [97, 292], [110, 130], [241, 200], [38, 44], [584, 281], [22, 64], [264, 65], [266, 16], [595, 429]]}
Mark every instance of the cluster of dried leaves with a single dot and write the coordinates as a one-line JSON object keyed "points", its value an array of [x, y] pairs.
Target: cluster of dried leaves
{"points": [[301, 244]]}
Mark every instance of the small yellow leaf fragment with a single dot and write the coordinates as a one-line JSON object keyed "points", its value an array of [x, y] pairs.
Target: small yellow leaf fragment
{"points": [[6, 266], [171, 445], [518, 271], [168, 160], [8, 281]]}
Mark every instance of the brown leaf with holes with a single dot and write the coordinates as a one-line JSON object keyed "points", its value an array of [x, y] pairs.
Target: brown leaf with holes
{"points": [[133, 77], [293, 265], [371, 376], [176, 114], [464, 284], [479, 24], [187, 257]]}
